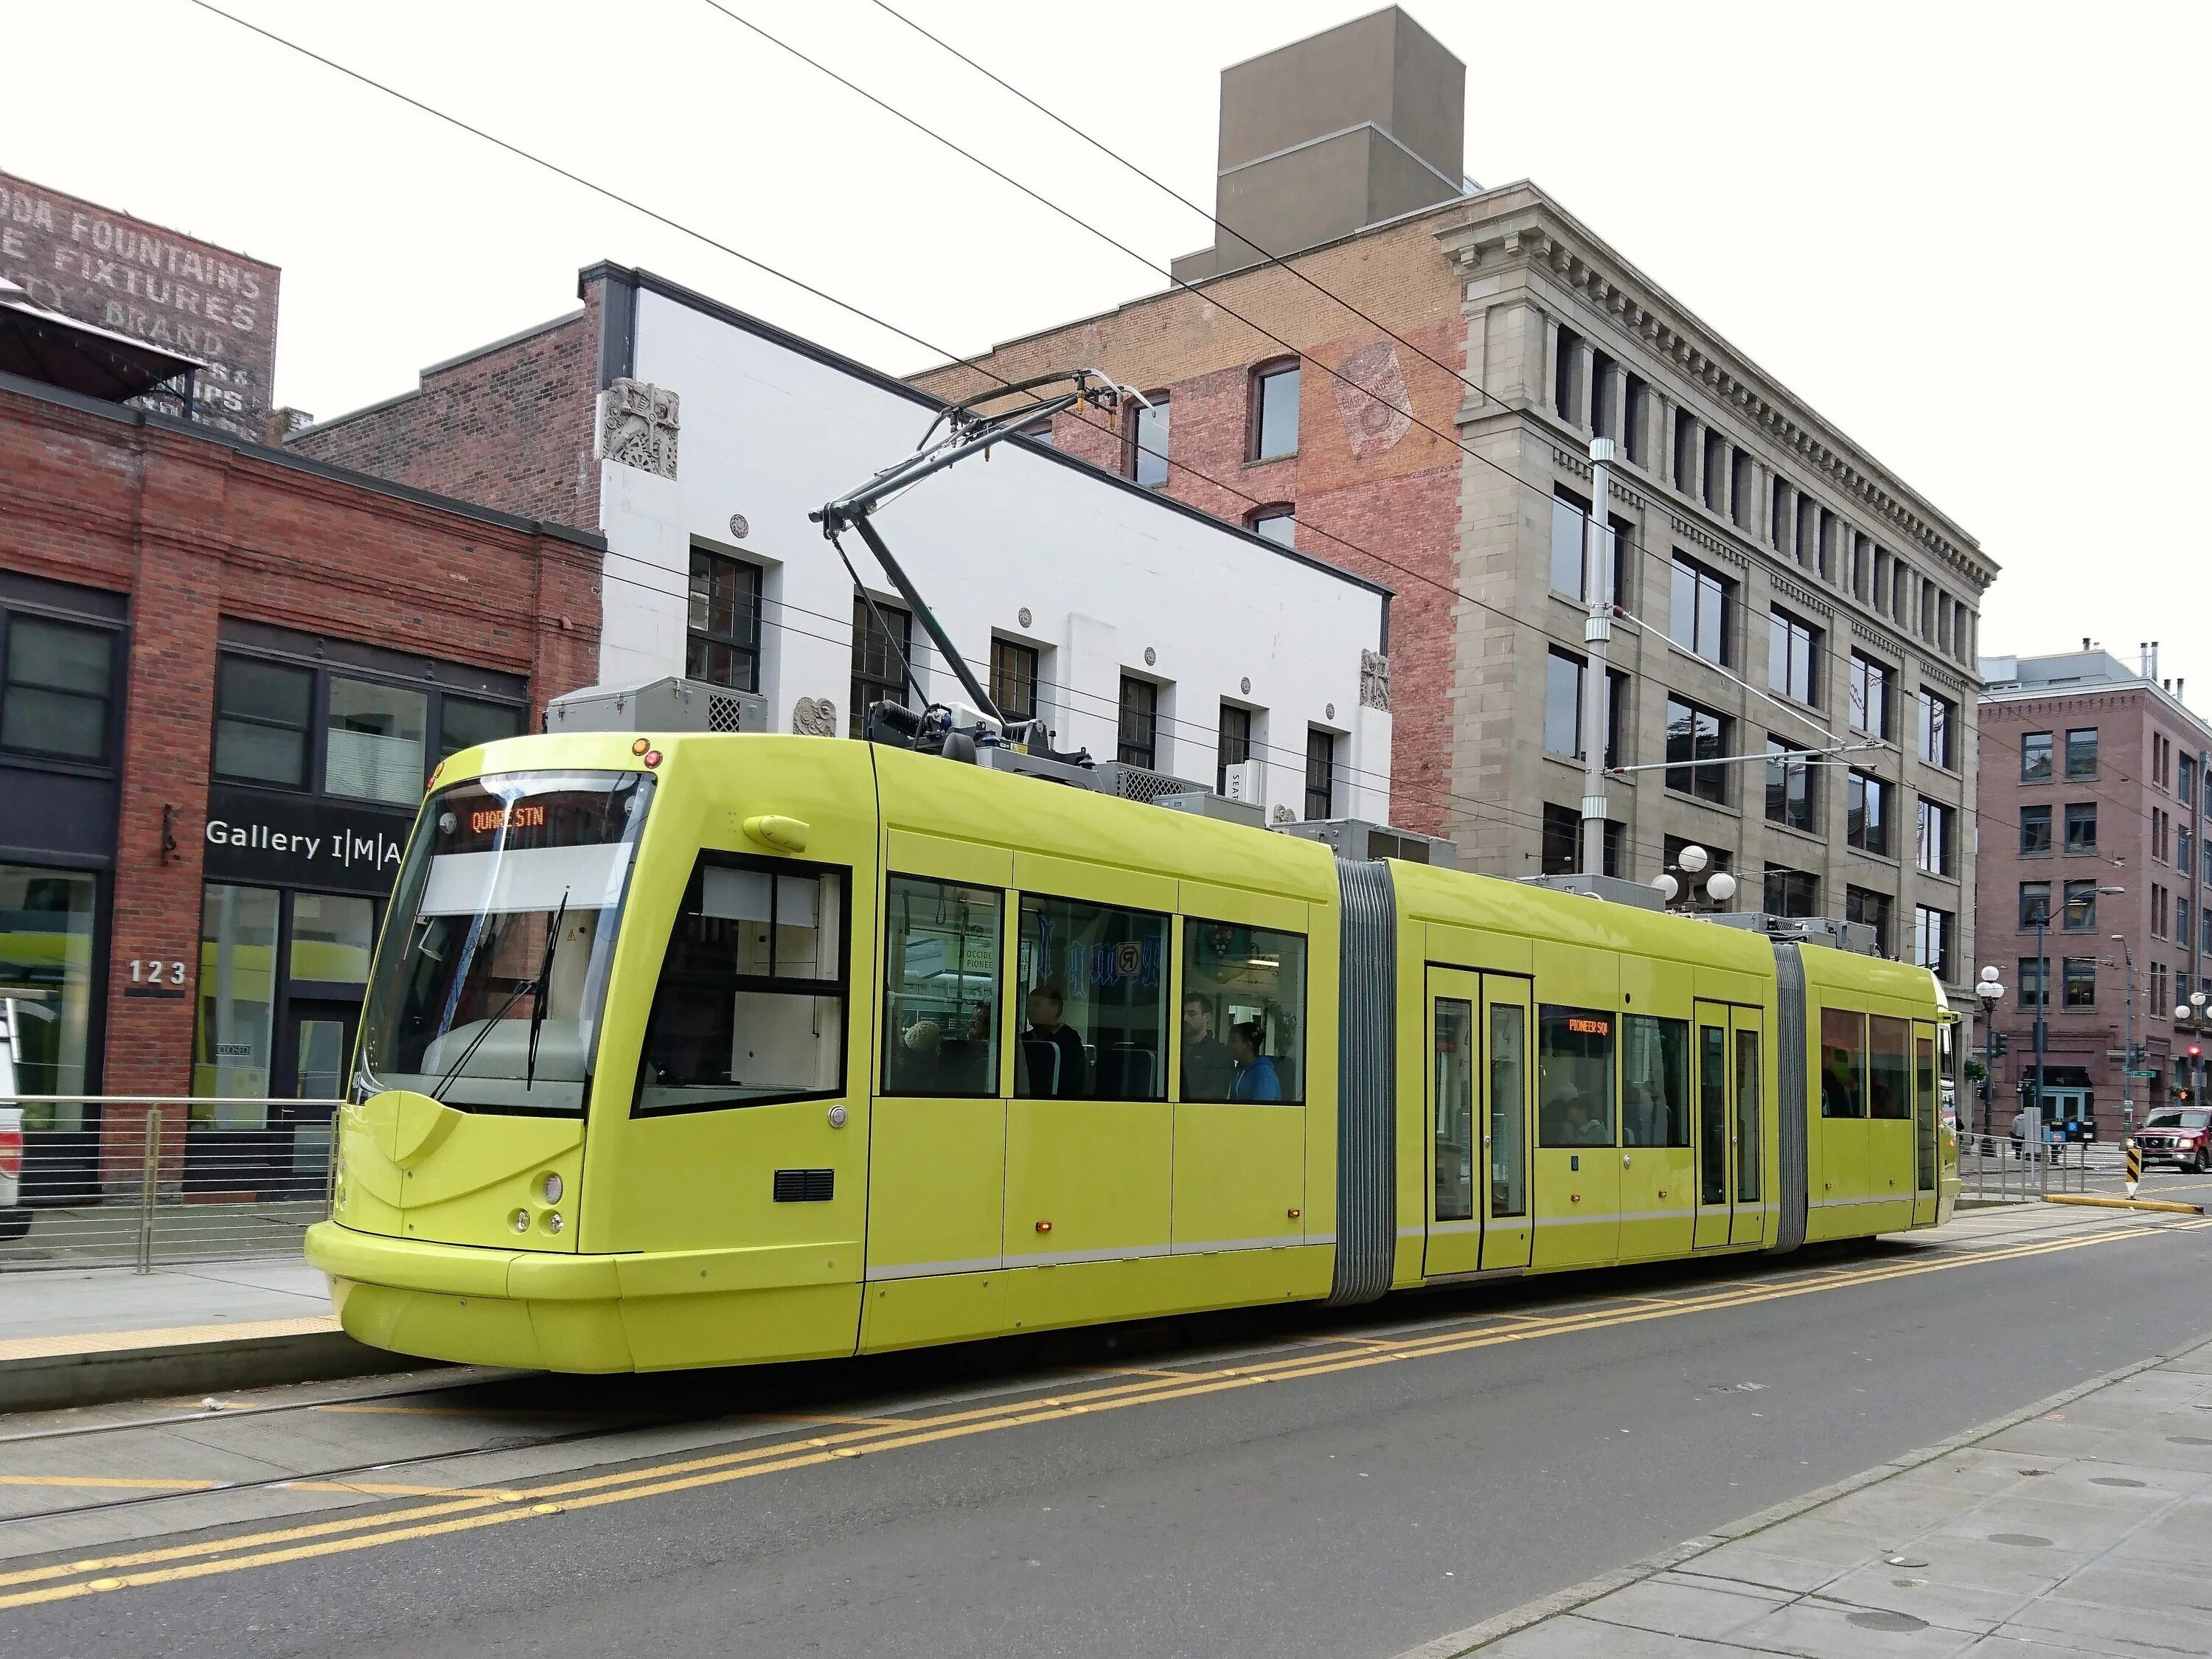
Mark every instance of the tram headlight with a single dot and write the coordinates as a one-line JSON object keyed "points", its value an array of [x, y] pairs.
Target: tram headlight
{"points": [[553, 1222], [551, 1186], [520, 1220]]}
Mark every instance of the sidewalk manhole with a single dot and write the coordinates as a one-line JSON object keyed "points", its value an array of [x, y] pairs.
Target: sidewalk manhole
{"points": [[1906, 1560], [1882, 1619], [2187, 1440], [2026, 1541], [2112, 1480]]}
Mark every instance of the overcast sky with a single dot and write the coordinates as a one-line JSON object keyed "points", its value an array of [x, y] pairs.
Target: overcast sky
{"points": [[1973, 237]]}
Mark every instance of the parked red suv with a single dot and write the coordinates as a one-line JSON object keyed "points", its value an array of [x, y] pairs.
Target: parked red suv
{"points": [[2178, 1135]]}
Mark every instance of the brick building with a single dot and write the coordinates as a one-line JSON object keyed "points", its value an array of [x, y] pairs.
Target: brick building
{"points": [[1777, 589], [2092, 798], [225, 671]]}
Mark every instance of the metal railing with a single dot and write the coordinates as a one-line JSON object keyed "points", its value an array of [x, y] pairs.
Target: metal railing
{"points": [[1995, 1170], [148, 1179]]}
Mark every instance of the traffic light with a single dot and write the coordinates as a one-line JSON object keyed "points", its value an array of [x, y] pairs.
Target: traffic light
{"points": [[1996, 1045], [2196, 1051]]}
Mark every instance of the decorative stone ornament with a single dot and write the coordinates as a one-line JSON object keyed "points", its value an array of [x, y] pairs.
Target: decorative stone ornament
{"points": [[1151, 656], [1022, 616], [1375, 681], [740, 527], [1244, 686], [814, 717], [637, 428], [1328, 711], [1284, 815]]}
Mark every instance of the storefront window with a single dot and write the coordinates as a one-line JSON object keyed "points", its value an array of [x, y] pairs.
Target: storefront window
{"points": [[332, 937], [237, 995], [46, 971], [375, 741], [464, 722], [261, 719]]}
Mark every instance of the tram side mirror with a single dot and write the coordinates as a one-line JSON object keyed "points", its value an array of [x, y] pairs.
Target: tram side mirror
{"points": [[778, 834]]}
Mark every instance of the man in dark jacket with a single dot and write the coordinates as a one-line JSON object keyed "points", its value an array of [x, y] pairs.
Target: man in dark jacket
{"points": [[1074, 1080], [1207, 1067]]}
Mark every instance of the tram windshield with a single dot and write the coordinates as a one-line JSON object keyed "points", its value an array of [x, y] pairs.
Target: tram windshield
{"points": [[493, 970]]}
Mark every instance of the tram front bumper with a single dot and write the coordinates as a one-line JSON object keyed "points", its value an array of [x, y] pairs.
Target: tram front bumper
{"points": [[540, 1311]]}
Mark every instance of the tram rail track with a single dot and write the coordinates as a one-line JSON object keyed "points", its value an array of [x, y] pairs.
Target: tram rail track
{"points": [[1044, 1397]]}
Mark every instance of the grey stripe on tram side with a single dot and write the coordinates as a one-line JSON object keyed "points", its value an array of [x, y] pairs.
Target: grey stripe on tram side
{"points": [[1792, 1104], [1366, 1086]]}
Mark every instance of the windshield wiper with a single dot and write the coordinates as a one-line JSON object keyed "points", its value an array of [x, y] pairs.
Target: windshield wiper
{"points": [[544, 984], [476, 1042]]}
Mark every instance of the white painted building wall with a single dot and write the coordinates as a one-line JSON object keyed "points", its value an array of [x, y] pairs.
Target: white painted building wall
{"points": [[1101, 578]]}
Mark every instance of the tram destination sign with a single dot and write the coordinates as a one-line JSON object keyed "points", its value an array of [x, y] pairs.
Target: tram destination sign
{"points": [[303, 840], [129, 277]]}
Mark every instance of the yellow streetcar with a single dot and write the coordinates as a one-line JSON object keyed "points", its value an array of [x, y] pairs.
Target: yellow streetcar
{"points": [[687, 1050]]}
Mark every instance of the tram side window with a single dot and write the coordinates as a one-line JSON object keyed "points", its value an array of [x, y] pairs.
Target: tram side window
{"points": [[1243, 1012], [1574, 1077], [1094, 981], [941, 988], [1654, 1081], [1889, 1068], [1843, 1063], [751, 1008]]}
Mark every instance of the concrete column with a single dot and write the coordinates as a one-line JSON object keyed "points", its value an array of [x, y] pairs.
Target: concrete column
{"points": [[1690, 448], [1550, 400]]}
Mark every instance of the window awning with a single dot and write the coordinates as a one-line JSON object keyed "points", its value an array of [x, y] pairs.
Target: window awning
{"points": [[55, 350]]}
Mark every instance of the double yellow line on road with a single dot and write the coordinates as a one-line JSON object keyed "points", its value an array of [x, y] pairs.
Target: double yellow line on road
{"points": [[473, 1508]]}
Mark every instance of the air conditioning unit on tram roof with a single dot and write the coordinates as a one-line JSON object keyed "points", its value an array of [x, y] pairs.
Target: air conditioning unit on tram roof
{"points": [[672, 704], [1360, 840]]}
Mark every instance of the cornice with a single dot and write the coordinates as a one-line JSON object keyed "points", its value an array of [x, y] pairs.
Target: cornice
{"points": [[1519, 226]]}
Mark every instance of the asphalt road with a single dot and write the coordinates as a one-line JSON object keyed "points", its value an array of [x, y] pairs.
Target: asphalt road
{"points": [[1397, 1476]]}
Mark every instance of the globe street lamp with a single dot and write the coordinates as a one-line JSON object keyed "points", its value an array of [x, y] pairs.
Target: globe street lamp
{"points": [[1990, 991]]}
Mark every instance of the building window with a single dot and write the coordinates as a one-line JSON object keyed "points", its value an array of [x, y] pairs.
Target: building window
{"points": [[2081, 826], [1232, 744], [2034, 904], [1792, 652], [2183, 846], [1320, 774], [2157, 911], [46, 964], [262, 711], [2160, 842], [1685, 454], [466, 723], [1939, 726], [2079, 981], [374, 742], [1563, 708], [1869, 909], [1014, 679], [1039, 432], [1276, 413], [1931, 940], [2181, 924], [2184, 783], [724, 644], [1866, 814], [1739, 500], [1870, 700], [1562, 846], [2035, 828], [1279, 525], [1790, 787], [2081, 752], [2080, 915], [880, 651], [2028, 979], [1936, 841], [1600, 383], [1699, 616], [1570, 517], [237, 991], [2159, 1001], [1563, 376], [1697, 739], [1139, 742], [1148, 443], [58, 687], [2035, 757], [1635, 405], [1792, 892]]}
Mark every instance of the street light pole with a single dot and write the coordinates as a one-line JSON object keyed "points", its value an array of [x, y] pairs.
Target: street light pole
{"points": [[1597, 632], [1991, 992], [2042, 1007], [2128, 1046]]}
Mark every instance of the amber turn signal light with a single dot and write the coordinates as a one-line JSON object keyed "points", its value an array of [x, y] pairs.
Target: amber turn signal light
{"points": [[640, 745], [1044, 1226]]}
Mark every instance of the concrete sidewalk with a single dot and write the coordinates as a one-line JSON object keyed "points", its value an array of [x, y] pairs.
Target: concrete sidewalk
{"points": [[2081, 1527], [77, 1337]]}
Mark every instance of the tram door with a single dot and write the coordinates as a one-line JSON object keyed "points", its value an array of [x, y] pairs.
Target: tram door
{"points": [[1479, 1077], [1927, 1100], [1731, 1139]]}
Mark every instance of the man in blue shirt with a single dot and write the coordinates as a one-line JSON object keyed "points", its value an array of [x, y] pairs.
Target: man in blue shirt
{"points": [[1254, 1078]]}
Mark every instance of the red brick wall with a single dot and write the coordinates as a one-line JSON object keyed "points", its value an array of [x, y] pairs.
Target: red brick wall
{"points": [[509, 428], [195, 530]]}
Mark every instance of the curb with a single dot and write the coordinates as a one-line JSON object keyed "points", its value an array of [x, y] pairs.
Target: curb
{"points": [[101, 1375], [1503, 1625]]}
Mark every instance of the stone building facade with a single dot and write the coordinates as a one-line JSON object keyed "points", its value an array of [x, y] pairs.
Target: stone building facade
{"points": [[2093, 779], [1777, 586]]}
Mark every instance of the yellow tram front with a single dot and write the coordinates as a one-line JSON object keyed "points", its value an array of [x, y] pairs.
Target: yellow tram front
{"points": [[536, 1167]]}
